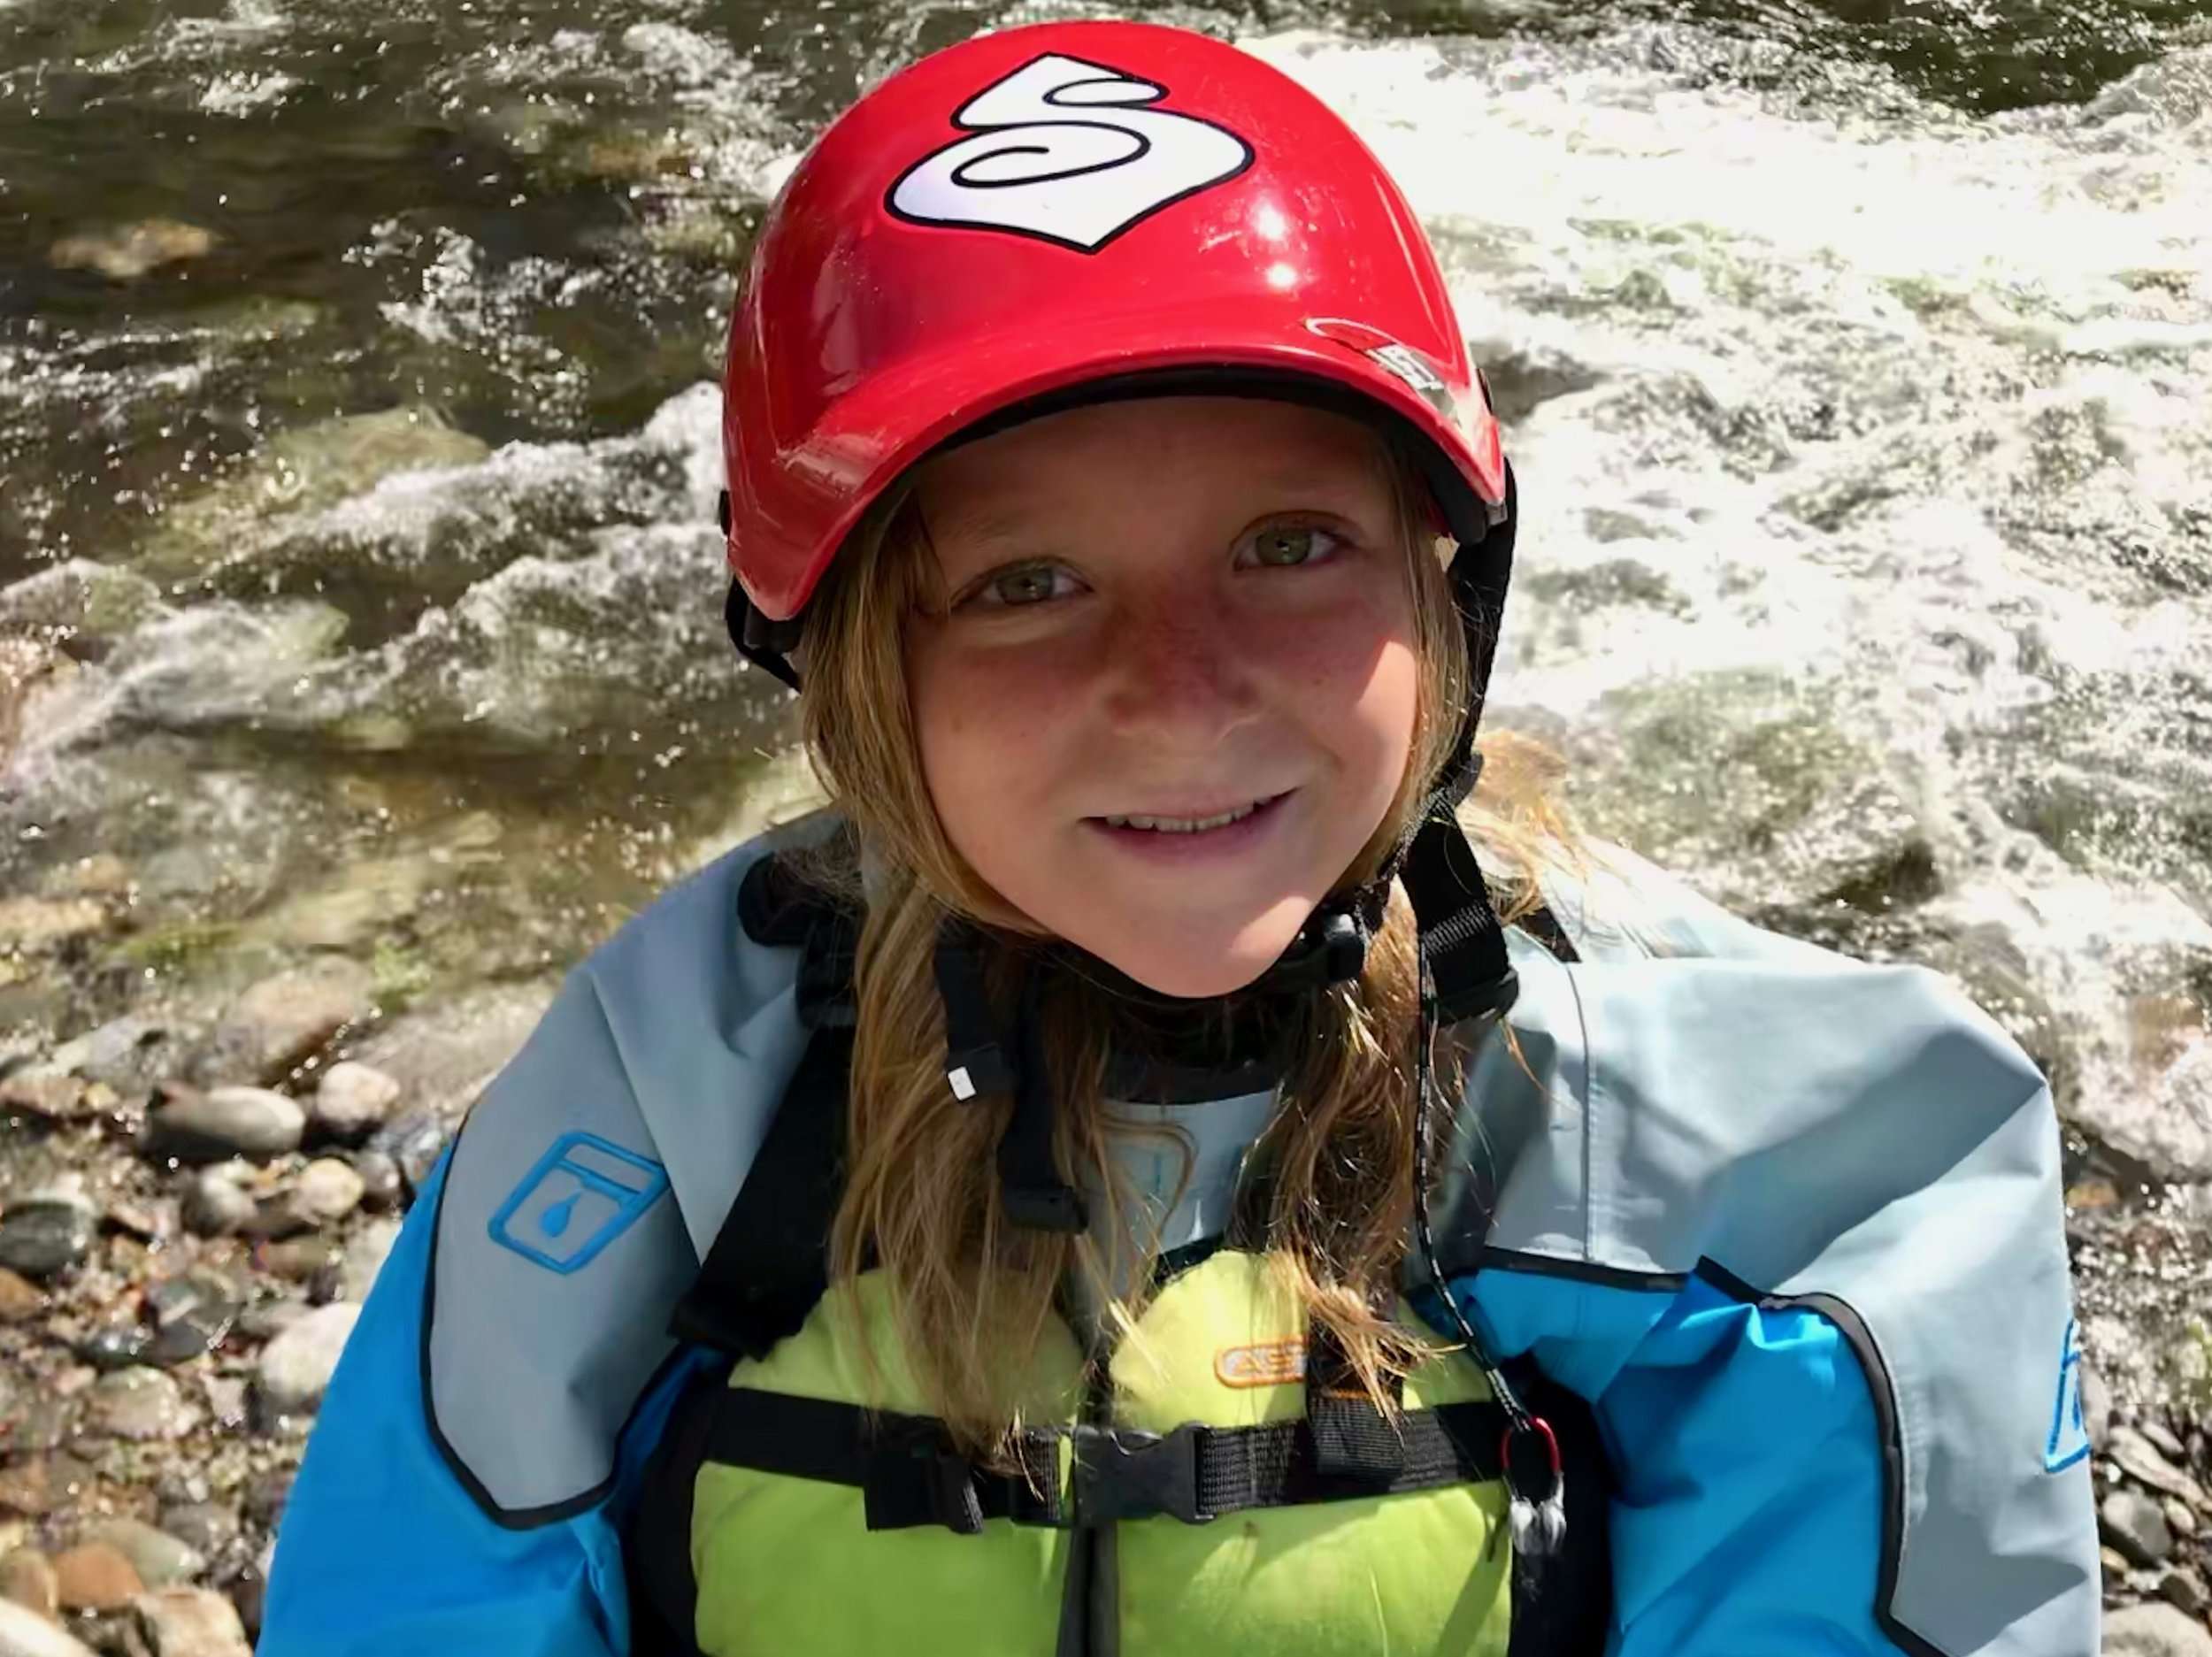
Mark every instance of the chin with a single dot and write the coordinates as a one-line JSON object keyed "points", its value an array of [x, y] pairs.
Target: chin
{"points": [[1192, 968]]}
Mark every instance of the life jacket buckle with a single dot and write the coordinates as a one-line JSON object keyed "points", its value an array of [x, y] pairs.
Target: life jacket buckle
{"points": [[1121, 1473]]}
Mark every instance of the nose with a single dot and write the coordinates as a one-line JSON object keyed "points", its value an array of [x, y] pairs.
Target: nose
{"points": [[1180, 674]]}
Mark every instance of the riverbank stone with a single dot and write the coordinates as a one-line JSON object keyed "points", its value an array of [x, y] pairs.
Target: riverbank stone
{"points": [[283, 1020], [297, 1365], [224, 1122]]}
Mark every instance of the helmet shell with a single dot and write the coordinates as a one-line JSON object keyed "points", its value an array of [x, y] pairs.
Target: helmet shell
{"points": [[1032, 216]]}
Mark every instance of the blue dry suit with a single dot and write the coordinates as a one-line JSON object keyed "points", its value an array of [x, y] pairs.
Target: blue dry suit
{"points": [[1790, 1223]]}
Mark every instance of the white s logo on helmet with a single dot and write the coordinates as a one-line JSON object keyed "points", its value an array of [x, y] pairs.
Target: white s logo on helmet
{"points": [[1065, 150]]}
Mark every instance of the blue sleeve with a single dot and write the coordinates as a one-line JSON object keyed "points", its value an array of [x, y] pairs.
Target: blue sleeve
{"points": [[382, 1549], [1747, 1518]]}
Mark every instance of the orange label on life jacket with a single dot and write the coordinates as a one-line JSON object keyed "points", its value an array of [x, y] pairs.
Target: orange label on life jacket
{"points": [[1270, 1363]]}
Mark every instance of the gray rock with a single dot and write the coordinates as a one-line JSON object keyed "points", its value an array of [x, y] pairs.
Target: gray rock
{"points": [[2139, 1459], [2096, 1405], [159, 1558], [127, 1054], [2167, 1125], [215, 1203], [207, 1526], [118, 1346], [265, 1498], [2185, 1590], [2162, 1440], [270, 1318], [140, 1404], [39, 1239], [352, 1101], [283, 1020], [2178, 1518], [296, 1366], [2132, 1522], [224, 1122], [2155, 1630], [23, 1633], [414, 1141], [326, 1192], [190, 1623], [442, 1055], [382, 1189]]}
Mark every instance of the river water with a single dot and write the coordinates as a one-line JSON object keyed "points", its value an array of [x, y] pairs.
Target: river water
{"points": [[358, 588]]}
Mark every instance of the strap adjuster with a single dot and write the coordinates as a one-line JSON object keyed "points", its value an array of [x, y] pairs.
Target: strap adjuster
{"points": [[1121, 1473]]}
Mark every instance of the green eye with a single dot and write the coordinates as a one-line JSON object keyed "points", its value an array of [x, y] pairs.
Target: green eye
{"points": [[1023, 586], [1287, 545]]}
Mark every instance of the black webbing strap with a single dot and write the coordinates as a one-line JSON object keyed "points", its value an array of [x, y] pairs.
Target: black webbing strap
{"points": [[911, 1476], [905, 1465], [766, 1269], [1351, 1438]]}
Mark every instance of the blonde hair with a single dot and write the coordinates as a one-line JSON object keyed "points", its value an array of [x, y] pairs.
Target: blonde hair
{"points": [[972, 1293]]}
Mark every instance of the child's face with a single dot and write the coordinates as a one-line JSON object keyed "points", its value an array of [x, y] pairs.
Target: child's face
{"points": [[1170, 608]]}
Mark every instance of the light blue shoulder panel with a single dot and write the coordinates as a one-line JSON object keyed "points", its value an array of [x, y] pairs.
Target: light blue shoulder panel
{"points": [[587, 1187], [1804, 1134]]}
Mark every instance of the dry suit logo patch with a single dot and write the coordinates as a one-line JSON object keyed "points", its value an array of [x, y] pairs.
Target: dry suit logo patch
{"points": [[1069, 152], [579, 1197], [1270, 1363]]}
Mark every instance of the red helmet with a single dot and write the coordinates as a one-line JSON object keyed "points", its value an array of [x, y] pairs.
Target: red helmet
{"points": [[1058, 214]]}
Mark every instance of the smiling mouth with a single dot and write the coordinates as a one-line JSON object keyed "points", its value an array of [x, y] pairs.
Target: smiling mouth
{"points": [[1188, 825]]}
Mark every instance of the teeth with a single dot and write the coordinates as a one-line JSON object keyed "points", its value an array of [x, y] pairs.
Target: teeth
{"points": [[1185, 825]]}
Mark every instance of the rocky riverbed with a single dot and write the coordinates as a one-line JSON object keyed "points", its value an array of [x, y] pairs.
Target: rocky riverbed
{"points": [[199, 1192]]}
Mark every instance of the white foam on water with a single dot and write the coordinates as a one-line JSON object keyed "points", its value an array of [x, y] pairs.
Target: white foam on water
{"points": [[1901, 407]]}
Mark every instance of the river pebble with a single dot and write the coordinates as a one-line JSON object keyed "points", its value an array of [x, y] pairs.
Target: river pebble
{"points": [[216, 1203], [27, 1578], [95, 1577], [283, 1020], [191, 1622], [382, 1189], [352, 1101], [296, 1366], [20, 1299], [224, 1122], [326, 1192], [159, 1559], [139, 1404], [2155, 1630], [2132, 1522], [208, 1526], [41, 1239], [118, 1346], [23, 1633], [2140, 1460]]}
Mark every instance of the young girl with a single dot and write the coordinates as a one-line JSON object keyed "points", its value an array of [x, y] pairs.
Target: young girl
{"points": [[1121, 1179]]}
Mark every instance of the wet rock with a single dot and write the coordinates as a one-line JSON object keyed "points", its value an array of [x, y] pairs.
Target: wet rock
{"points": [[2161, 1439], [283, 1020], [2185, 1588], [27, 1578], [118, 1346], [270, 1319], [191, 1622], [139, 1404], [23, 1633], [2139, 1459], [124, 253], [39, 925], [227, 1399], [159, 1559], [382, 1189], [50, 1095], [2179, 1520], [297, 1259], [127, 1054], [215, 1203], [206, 1526], [443, 1054], [39, 1238], [28, 1487], [2155, 1630], [2165, 1124], [327, 1191], [297, 1365], [224, 1122], [2132, 1522], [44, 1423], [96, 1577], [182, 1342], [2096, 1405], [352, 1101], [20, 1299]]}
